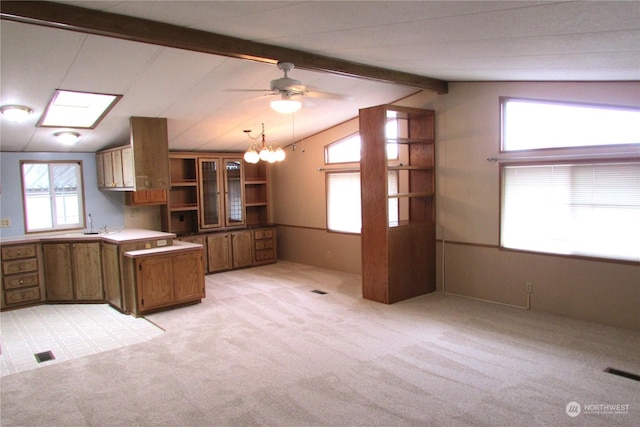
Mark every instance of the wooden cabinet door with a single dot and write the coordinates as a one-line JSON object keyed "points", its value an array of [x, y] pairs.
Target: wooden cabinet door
{"points": [[219, 252], [107, 169], [188, 277], [100, 169], [241, 244], [116, 158], [155, 282], [127, 167], [111, 274], [57, 271], [150, 143], [87, 271]]}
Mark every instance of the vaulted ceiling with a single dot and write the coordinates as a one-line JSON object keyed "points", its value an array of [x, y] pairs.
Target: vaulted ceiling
{"points": [[376, 52]]}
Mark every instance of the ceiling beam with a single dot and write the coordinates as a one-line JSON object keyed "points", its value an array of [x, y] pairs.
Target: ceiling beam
{"points": [[57, 15]]}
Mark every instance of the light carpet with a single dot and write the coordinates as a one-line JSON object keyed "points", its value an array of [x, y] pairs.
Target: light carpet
{"points": [[263, 350]]}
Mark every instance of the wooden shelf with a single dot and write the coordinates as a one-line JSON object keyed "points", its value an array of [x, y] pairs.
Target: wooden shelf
{"points": [[411, 141], [191, 207], [419, 194], [398, 257], [188, 183]]}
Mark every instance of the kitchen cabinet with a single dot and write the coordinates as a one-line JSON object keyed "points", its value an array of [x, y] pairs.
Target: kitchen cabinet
{"points": [[239, 249], [143, 164], [200, 239], [21, 275], [163, 279], [219, 252], [208, 193], [398, 202], [264, 245], [146, 197], [73, 271], [118, 292]]}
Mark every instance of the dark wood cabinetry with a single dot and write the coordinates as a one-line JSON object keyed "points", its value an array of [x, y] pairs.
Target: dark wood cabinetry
{"points": [[162, 280], [73, 271], [398, 202], [143, 164], [21, 275]]}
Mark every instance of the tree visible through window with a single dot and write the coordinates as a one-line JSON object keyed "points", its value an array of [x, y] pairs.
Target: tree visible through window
{"points": [[52, 195]]}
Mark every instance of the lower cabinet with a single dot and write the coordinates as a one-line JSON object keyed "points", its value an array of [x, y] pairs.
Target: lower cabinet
{"points": [[162, 280], [21, 275], [73, 271], [226, 251]]}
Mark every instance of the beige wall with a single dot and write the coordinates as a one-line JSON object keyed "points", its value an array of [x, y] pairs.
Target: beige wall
{"points": [[467, 132]]}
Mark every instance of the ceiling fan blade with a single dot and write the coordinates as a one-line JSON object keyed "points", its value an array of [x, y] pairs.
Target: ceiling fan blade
{"points": [[327, 95], [250, 90]]}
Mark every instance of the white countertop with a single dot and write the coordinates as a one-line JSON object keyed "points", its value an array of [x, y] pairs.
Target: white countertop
{"points": [[113, 236], [177, 246]]}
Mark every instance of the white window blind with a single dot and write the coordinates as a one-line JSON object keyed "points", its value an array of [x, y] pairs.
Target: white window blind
{"points": [[343, 202], [580, 209]]}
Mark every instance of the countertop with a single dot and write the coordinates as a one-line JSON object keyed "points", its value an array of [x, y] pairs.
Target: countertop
{"points": [[112, 236], [177, 246]]}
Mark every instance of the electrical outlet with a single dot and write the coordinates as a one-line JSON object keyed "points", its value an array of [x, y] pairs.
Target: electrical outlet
{"points": [[528, 286], [5, 222]]}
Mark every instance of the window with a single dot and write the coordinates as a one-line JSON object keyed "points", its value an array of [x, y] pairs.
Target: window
{"points": [[572, 207], [344, 212], [52, 195], [531, 124], [343, 188], [343, 202]]}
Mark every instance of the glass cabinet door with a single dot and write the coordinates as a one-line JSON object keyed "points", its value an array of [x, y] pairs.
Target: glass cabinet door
{"points": [[234, 192], [210, 199]]}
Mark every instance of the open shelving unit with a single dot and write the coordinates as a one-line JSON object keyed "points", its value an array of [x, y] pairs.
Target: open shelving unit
{"points": [[398, 202]]}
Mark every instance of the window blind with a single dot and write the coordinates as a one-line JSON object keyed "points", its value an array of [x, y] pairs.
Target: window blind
{"points": [[590, 209]]}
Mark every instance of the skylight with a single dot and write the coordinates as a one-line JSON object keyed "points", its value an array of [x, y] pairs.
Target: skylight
{"points": [[77, 109]]}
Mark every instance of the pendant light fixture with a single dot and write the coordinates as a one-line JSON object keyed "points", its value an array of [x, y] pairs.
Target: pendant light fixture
{"points": [[267, 152]]}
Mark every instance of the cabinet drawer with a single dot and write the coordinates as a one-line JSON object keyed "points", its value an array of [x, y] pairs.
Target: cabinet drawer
{"points": [[11, 267], [263, 234], [20, 281], [264, 254], [22, 295], [264, 244], [16, 252]]}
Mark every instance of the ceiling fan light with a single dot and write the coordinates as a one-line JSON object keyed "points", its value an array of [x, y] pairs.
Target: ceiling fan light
{"points": [[16, 113], [285, 106]]}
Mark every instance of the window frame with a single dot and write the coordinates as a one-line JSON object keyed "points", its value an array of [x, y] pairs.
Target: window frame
{"points": [[81, 196], [559, 150], [571, 155]]}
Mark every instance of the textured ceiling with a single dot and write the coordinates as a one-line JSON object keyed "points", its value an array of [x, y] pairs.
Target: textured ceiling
{"points": [[451, 41]]}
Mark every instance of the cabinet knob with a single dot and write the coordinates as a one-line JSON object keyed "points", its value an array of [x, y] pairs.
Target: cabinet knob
{"points": [[19, 252], [21, 281]]}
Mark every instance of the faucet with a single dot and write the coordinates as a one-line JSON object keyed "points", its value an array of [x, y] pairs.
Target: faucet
{"points": [[90, 223]]}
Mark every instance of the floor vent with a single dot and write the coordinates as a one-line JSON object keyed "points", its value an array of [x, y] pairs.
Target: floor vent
{"points": [[315, 291], [45, 356], [623, 374]]}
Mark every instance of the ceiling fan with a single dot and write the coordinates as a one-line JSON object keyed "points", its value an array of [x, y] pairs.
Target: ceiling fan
{"points": [[288, 88]]}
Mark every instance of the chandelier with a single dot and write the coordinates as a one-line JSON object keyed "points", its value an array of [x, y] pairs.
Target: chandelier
{"points": [[267, 152]]}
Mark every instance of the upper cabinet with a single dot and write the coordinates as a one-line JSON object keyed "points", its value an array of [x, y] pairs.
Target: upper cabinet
{"points": [[208, 193], [143, 164]]}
